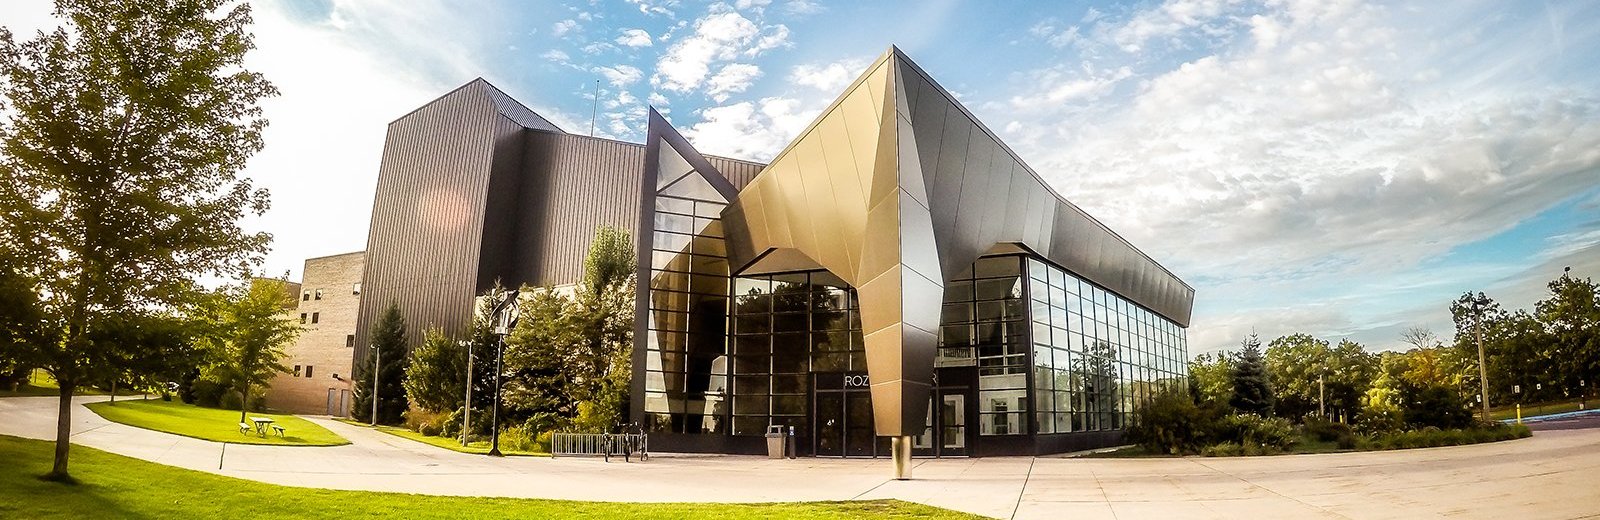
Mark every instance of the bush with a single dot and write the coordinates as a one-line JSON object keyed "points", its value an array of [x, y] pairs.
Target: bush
{"points": [[1440, 407], [523, 438], [209, 394], [424, 422], [1324, 430], [1250, 430], [1434, 437], [1172, 424], [229, 400]]}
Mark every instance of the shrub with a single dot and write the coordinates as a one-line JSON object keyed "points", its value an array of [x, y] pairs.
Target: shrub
{"points": [[1171, 423], [424, 422], [524, 438], [1272, 433], [208, 394], [1440, 407], [229, 400], [1223, 449], [1324, 430]]}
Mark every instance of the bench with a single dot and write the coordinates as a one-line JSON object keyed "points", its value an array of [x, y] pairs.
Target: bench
{"points": [[278, 430], [245, 428]]}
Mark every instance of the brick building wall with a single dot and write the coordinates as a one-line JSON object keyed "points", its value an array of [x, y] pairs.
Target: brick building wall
{"points": [[318, 381]]}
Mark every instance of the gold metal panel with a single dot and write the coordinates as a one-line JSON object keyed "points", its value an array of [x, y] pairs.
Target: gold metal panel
{"points": [[910, 167], [792, 193], [883, 364], [886, 169], [774, 208], [881, 250], [848, 219], [822, 217], [880, 301]]}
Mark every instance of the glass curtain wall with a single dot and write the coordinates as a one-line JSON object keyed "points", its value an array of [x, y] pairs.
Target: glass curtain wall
{"points": [[1095, 354], [983, 324], [686, 365], [785, 328]]}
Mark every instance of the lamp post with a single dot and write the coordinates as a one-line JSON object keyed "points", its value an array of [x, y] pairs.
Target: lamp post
{"points": [[377, 355], [1483, 369], [505, 317], [466, 410]]}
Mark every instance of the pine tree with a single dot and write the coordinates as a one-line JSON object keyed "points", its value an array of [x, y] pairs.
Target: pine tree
{"points": [[389, 344], [1251, 392]]}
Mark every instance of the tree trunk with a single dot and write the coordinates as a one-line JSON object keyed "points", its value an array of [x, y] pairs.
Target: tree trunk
{"points": [[63, 434], [244, 401], [113, 391]]}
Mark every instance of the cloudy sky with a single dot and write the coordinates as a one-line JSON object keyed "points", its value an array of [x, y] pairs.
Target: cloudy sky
{"points": [[1328, 166]]}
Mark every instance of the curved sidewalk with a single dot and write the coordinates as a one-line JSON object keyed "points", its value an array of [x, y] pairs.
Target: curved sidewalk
{"points": [[1548, 476]]}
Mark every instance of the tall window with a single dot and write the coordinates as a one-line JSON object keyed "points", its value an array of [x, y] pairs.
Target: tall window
{"points": [[786, 327], [983, 324], [355, 288], [1095, 354], [318, 295]]}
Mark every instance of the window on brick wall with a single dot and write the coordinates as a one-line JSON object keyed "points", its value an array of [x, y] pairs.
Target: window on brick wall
{"points": [[302, 317], [314, 316], [305, 296], [355, 288], [297, 370], [318, 295], [349, 341], [308, 370]]}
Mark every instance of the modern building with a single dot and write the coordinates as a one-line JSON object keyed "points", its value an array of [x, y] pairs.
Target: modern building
{"points": [[897, 281], [329, 296]]}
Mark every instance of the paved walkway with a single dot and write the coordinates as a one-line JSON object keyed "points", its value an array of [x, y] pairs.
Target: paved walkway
{"points": [[1556, 474]]}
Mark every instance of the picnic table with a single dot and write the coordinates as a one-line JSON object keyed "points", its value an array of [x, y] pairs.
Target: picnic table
{"points": [[261, 424]]}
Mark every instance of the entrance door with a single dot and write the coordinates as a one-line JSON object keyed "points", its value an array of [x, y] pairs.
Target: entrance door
{"points": [[946, 432], [829, 425], [842, 426], [333, 403]]}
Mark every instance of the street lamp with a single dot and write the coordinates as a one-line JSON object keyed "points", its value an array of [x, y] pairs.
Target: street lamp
{"points": [[505, 318], [466, 411]]}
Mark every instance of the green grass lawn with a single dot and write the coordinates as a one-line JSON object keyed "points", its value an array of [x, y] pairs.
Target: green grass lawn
{"points": [[449, 443], [212, 424], [40, 383], [114, 486], [1531, 409]]}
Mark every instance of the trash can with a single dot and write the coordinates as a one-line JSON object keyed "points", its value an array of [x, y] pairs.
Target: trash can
{"points": [[775, 442]]}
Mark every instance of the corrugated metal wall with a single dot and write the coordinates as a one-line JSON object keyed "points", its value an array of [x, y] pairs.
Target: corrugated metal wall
{"points": [[425, 238]]}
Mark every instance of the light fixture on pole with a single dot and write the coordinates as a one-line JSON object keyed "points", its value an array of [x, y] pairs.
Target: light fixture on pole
{"points": [[505, 318], [466, 409], [377, 356]]}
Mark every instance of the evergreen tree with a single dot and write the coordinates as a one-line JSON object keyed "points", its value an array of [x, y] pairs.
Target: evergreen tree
{"points": [[436, 374], [1251, 391], [388, 338]]}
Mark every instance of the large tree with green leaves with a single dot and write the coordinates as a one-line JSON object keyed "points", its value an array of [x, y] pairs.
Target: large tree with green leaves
{"points": [[249, 330], [121, 141], [1571, 319], [1252, 391], [388, 352], [1211, 378]]}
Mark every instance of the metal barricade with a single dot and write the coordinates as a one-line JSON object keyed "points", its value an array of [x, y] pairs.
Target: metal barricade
{"points": [[600, 445]]}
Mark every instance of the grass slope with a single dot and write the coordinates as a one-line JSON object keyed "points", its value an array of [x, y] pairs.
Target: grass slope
{"points": [[114, 486], [450, 443], [212, 424]]}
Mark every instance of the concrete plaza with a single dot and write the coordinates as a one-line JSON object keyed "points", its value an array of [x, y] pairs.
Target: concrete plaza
{"points": [[1555, 474]]}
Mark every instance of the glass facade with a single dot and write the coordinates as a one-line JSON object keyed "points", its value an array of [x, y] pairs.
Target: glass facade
{"points": [[1095, 354], [786, 328], [686, 362], [983, 324]]}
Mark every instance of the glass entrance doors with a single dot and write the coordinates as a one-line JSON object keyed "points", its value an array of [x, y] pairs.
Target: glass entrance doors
{"points": [[843, 424], [946, 433]]}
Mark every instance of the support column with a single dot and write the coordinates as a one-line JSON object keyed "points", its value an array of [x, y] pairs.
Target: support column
{"points": [[900, 446]]}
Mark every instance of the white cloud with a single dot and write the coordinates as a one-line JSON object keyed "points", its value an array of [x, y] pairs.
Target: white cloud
{"points": [[732, 79], [620, 75], [828, 77], [751, 130], [655, 7], [718, 37], [1297, 146], [658, 100], [634, 38], [563, 27]]}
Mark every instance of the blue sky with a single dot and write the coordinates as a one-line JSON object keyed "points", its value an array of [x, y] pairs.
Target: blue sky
{"points": [[1335, 167]]}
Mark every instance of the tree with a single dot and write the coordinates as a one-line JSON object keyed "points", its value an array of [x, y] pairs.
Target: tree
{"points": [[1295, 363], [1571, 319], [607, 305], [388, 348], [251, 329], [610, 261], [120, 145], [436, 374], [1252, 392], [22, 320], [1211, 378], [543, 379]]}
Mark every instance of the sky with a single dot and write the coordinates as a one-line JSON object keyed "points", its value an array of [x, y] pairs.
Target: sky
{"points": [[1334, 167]]}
